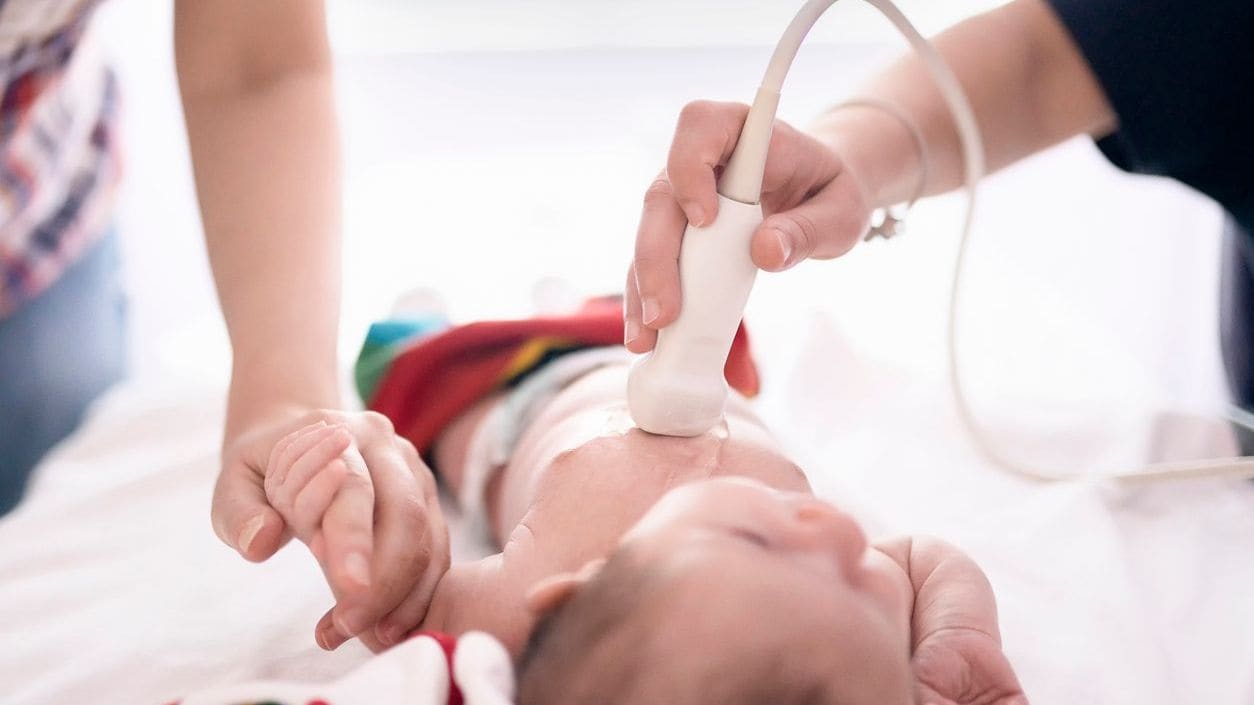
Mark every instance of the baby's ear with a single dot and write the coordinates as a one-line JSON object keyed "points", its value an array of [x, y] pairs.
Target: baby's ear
{"points": [[552, 592]]}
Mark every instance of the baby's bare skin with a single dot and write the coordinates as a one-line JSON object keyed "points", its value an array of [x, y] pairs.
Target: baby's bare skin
{"points": [[581, 476], [583, 482]]}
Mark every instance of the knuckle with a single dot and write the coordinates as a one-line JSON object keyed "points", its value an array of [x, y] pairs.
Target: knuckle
{"points": [[422, 561], [328, 416], [378, 422], [651, 264], [423, 553], [353, 481], [410, 454], [337, 468], [847, 228], [283, 503], [659, 192], [407, 447], [411, 507], [697, 111], [808, 233]]}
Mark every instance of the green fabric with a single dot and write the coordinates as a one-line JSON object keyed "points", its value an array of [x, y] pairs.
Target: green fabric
{"points": [[384, 341]]}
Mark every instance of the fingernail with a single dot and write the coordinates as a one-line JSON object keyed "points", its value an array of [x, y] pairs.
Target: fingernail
{"points": [[351, 623], [357, 568], [696, 215], [331, 640], [249, 532], [650, 310], [322, 640], [631, 331], [785, 247]]}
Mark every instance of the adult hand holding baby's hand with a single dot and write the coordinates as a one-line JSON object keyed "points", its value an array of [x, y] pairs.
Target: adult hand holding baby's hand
{"points": [[359, 497]]}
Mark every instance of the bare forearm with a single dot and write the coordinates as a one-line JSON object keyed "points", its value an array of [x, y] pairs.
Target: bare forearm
{"points": [[264, 147], [1027, 83], [267, 176]]}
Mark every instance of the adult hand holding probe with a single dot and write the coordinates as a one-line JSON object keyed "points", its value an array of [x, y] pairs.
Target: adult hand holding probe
{"points": [[1027, 84], [1143, 77], [678, 389]]}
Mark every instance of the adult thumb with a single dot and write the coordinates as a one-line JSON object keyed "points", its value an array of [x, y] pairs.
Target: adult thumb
{"points": [[824, 226], [242, 517]]}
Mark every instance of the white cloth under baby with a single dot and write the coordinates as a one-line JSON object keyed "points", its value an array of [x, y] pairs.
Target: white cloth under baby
{"points": [[412, 673]]}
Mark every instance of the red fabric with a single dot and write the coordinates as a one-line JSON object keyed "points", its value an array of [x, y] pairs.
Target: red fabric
{"points": [[448, 642], [442, 375]]}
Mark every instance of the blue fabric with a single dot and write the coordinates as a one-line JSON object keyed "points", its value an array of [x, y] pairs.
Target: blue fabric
{"points": [[58, 352]]}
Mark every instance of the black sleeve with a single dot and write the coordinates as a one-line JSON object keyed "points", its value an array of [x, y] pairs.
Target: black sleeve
{"points": [[1180, 77]]}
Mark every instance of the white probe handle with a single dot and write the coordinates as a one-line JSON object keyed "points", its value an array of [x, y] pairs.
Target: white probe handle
{"points": [[679, 388]]}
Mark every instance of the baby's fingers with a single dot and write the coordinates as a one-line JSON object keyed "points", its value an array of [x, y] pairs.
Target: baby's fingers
{"points": [[314, 499], [291, 447], [321, 447]]}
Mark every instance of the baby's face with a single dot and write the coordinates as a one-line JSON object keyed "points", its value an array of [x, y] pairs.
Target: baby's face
{"points": [[747, 562]]}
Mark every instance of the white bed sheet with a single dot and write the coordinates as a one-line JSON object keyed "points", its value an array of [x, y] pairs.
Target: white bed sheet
{"points": [[114, 590]]}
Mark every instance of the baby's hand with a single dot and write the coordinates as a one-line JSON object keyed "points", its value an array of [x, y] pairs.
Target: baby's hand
{"points": [[310, 468], [964, 667], [956, 652], [382, 569]]}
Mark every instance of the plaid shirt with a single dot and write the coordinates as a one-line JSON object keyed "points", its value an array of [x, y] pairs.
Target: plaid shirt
{"points": [[58, 144]]}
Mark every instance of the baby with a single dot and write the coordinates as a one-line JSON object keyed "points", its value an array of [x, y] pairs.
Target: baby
{"points": [[643, 569]]}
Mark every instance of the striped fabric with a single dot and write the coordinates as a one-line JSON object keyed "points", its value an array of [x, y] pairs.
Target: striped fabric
{"points": [[423, 373], [59, 162]]}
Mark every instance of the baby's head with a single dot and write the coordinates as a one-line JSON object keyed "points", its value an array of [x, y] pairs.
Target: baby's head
{"points": [[728, 592]]}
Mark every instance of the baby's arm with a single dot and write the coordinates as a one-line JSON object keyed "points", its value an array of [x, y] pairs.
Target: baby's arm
{"points": [[955, 641]]}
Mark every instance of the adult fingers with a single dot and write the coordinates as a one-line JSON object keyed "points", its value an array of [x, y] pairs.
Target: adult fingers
{"points": [[636, 336], [705, 136], [656, 261], [242, 517], [825, 226], [329, 638], [413, 608], [348, 531], [410, 541]]}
